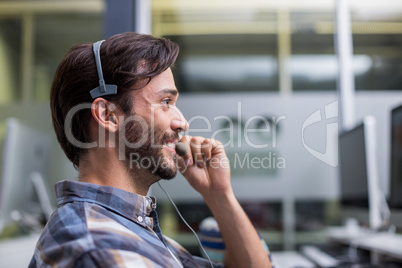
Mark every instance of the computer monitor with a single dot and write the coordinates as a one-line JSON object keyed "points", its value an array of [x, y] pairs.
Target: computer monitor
{"points": [[24, 195], [395, 197], [358, 171]]}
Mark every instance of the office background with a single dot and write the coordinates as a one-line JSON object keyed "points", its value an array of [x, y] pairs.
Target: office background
{"points": [[275, 59]]}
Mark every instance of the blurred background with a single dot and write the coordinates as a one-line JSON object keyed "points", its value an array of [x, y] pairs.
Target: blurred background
{"points": [[273, 61]]}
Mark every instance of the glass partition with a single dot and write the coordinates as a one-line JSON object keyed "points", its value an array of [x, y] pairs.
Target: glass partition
{"points": [[34, 37], [280, 46]]}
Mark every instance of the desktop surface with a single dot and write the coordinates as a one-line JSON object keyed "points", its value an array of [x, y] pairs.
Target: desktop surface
{"points": [[359, 247], [290, 259], [17, 252], [384, 243]]}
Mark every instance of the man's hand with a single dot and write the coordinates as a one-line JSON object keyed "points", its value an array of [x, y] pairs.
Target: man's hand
{"points": [[206, 166]]}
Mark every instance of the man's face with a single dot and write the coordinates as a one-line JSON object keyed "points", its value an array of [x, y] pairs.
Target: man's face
{"points": [[158, 131]]}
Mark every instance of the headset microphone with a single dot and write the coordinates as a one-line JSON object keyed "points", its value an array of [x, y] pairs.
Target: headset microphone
{"points": [[181, 149]]}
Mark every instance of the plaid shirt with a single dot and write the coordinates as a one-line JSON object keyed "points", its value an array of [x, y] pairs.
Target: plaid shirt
{"points": [[101, 226]]}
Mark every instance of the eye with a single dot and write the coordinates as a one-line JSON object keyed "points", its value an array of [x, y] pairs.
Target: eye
{"points": [[167, 102]]}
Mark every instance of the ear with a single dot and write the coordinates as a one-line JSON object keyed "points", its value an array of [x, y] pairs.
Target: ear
{"points": [[104, 114]]}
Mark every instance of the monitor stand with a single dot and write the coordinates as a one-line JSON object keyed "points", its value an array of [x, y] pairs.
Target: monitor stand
{"points": [[43, 195], [28, 222]]}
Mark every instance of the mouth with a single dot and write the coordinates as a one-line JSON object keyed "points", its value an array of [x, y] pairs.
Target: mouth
{"points": [[170, 145]]}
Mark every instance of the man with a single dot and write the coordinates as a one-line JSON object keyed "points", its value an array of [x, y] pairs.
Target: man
{"points": [[112, 103]]}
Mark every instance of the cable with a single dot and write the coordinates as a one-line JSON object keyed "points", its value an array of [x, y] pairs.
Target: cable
{"points": [[182, 218]]}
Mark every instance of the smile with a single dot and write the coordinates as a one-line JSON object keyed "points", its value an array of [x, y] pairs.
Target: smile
{"points": [[170, 145]]}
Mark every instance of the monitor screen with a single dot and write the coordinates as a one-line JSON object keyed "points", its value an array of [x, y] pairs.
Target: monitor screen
{"points": [[395, 198], [24, 193], [353, 168]]}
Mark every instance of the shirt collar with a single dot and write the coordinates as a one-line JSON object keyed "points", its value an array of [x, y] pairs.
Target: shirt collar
{"points": [[130, 205]]}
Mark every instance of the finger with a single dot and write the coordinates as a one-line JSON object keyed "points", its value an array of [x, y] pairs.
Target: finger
{"points": [[198, 157], [217, 147], [206, 149], [188, 157]]}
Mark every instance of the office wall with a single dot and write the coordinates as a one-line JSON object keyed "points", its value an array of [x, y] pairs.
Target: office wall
{"points": [[310, 170]]}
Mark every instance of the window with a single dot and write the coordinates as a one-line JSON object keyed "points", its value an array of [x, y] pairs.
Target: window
{"points": [[35, 36], [282, 46]]}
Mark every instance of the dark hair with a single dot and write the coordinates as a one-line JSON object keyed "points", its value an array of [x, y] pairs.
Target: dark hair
{"points": [[129, 60]]}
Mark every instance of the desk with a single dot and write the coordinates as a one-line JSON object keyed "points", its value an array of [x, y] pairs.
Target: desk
{"points": [[290, 259], [383, 243], [17, 252]]}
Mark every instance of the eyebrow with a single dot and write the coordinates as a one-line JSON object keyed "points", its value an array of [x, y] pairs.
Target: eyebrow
{"points": [[173, 92]]}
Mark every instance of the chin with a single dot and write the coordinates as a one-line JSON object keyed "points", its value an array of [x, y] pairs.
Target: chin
{"points": [[167, 174], [167, 170]]}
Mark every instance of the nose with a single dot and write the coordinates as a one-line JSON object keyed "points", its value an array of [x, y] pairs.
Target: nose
{"points": [[178, 123]]}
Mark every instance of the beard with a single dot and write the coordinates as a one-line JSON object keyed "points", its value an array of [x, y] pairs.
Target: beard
{"points": [[150, 154]]}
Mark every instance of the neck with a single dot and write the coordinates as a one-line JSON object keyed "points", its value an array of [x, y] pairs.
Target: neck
{"points": [[102, 166]]}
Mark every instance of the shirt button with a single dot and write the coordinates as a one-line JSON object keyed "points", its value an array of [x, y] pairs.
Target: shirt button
{"points": [[140, 219]]}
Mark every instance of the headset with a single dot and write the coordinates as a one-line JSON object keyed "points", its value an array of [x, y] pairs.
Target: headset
{"points": [[102, 89]]}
